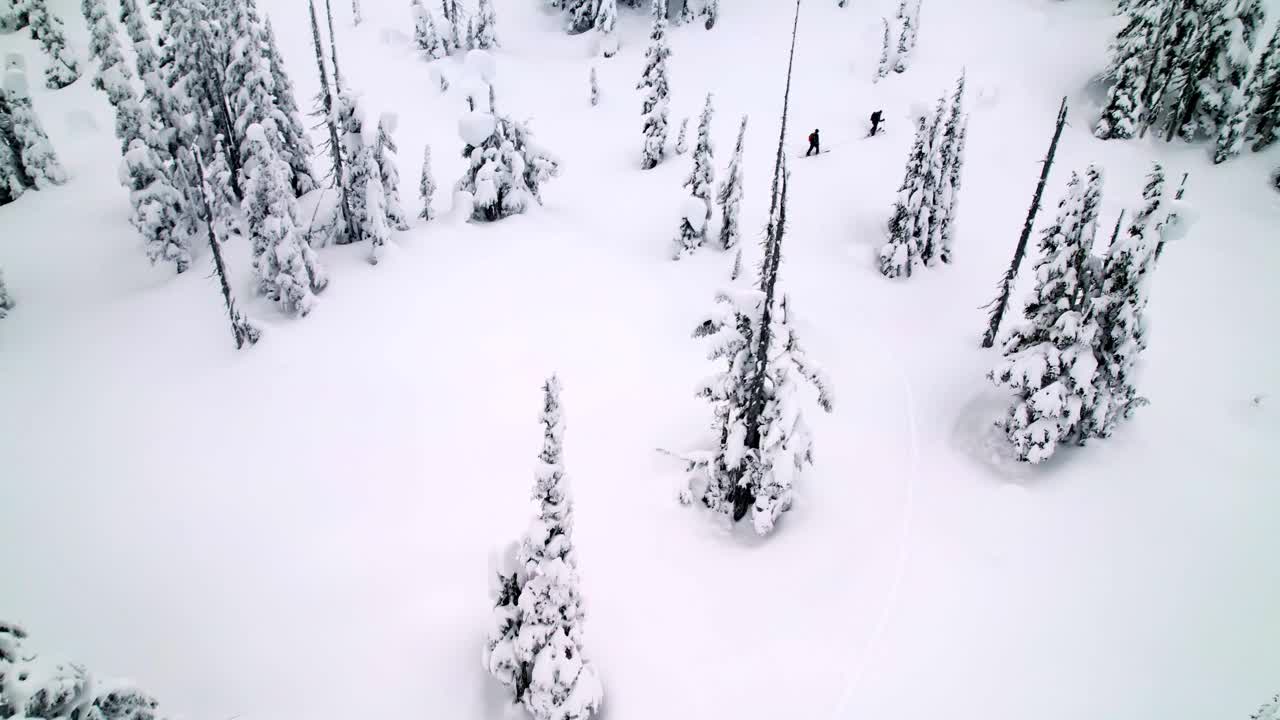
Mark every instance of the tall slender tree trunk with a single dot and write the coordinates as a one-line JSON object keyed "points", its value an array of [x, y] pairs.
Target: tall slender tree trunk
{"points": [[241, 328], [333, 45], [1001, 303], [335, 147], [742, 497]]}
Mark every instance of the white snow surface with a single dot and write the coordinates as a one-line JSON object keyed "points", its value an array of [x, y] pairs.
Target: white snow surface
{"points": [[301, 529], [476, 126]]}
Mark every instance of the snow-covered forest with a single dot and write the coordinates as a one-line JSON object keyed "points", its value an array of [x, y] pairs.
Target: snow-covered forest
{"points": [[568, 359]]}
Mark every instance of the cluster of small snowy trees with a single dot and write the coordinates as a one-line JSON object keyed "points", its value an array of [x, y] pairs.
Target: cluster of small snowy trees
{"points": [[27, 158], [505, 168], [586, 15], [454, 30], [1072, 361], [32, 686], [922, 224], [535, 645], [1183, 68], [46, 28], [909, 22]]}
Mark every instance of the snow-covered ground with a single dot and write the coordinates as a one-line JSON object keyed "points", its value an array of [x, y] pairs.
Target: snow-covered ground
{"points": [[301, 529]]}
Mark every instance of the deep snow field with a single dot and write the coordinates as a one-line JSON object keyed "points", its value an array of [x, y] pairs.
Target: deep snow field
{"points": [[301, 529]]}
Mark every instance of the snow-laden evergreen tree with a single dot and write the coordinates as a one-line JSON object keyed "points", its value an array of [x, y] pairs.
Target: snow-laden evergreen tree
{"points": [[763, 440], [929, 223], [952, 197], [595, 88], [682, 141], [223, 210], [1269, 711], [425, 34], [730, 195], [159, 208], [1121, 306], [943, 175], [295, 145], [486, 35], [426, 185], [580, 15], [653, 87], [14, 180], [27, 136], [470, 42], [63, 68], [505, 169], [536, 645], [6, 301], [909, 12], [356, 17], [1130, 68], [385, 148], [701, 185], [104, 44], [882, 70], [1049, 361], [901, 254], [1231, 40], [35, 687], [287, 268], [1266, 113], [362, 177], [135, 25], [607, 26]]}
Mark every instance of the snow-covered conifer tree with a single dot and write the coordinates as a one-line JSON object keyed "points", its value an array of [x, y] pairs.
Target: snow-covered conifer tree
{"points": [[580, 15], [1229, 43], [288, 271], [730, 195], [27, 137], [159, 211], [6, 300], [653, 86], [362, 177], [295, 146], [425, 33], [426, 185], [682, 142], [1121, 305], [104, 44], [701, 184], [882, 70], [388, 174], [901, 254], [933, 186], [1266, 78], [469, 42], [219, 196], [909, 12], [63, 68], [952, 198], [505, 170], [595, 88], [486, 34], [944, 165], [14, 180], [1050, 359], [536, 645], [356, 17], [1130, 69], [606, 25]]}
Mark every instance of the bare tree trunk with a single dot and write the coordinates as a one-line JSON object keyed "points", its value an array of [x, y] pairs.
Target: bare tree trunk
{"points": [[242, 329], [335, 147], [1001, 303]]}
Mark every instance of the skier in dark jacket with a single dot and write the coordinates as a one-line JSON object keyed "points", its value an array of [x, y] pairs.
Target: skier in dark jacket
{"points": [[875, 121], [813, 144]]}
